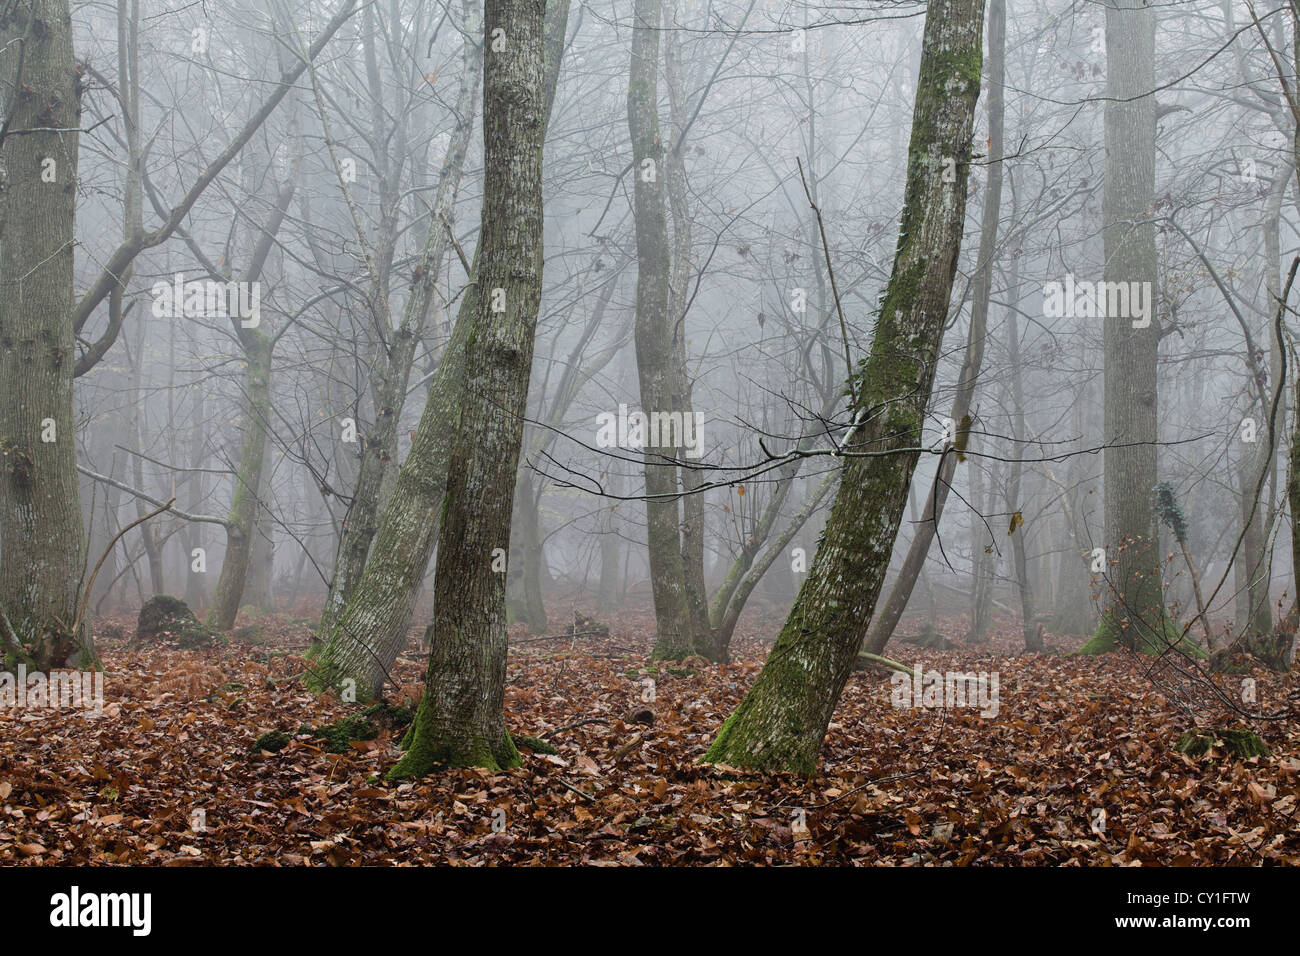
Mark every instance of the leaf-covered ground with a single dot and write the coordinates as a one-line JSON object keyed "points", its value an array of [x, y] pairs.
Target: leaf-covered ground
{"points": [[167, 776]]}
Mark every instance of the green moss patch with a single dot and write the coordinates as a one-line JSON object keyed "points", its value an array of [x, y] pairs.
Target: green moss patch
{"points": [[1238, 743]]}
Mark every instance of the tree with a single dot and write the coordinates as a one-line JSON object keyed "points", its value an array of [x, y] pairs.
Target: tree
{"points": [[393, 354], [655, 354], [461, 720], [887, 618], [1135, 616], [371, 630], [782, 721], [40, 513]]}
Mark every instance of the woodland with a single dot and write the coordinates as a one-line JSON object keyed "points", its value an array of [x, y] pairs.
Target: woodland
{"points": [[649, 433]]}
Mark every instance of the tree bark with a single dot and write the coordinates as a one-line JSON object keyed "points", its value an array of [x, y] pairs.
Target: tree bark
{"points": [[1135, 616], [782, 721], [887, 618], [42, 549], [371, 630], [461, 719]]}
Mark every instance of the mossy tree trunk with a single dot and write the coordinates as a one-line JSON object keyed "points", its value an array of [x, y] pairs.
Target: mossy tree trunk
{"points": [[782, 721], [393, 356], [461, 719], [42, 551], [358, 650], [887, 617], [1130, 430]]}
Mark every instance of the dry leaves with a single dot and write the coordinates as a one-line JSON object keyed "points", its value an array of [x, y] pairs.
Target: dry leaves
{"points": [[168, 779]]}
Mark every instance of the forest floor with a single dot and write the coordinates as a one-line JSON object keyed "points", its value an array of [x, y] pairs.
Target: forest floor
{"points": [[166, 775]]}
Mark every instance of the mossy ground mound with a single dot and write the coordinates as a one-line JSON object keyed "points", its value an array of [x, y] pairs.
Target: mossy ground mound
{"points": [[273, 742], [1238, 743], [367, 725], [165, 618]]}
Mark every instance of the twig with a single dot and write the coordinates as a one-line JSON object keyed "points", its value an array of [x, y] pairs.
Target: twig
{"points": [[581, 793], [835, 292]]}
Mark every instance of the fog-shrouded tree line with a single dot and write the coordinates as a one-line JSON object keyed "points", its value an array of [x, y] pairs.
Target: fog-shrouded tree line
{"points": [[461, 316]]}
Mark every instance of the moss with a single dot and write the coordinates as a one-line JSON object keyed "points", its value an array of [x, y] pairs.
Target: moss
{"points": [[427, 754], [367, 725], [1239, 743], [328, 674], [785, 746], [535, 744], [274, 742], [164, 617], [1111, 635]]}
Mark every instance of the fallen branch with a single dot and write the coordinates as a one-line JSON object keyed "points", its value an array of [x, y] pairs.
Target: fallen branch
{"points": [[883, 662]]}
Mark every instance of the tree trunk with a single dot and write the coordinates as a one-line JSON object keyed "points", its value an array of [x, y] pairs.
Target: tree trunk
{"points": [[1135, 616], [358, 650], [461, 719], [887, 618], [608, 591], [782, 721], [656, 357], [530, 527], [674, 172], [245, 504], [983, 558], [196, 592], [42, 549]]}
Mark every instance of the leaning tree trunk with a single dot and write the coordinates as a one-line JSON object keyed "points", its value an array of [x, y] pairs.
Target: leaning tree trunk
{"points": [[370, 632], [42, 550], [461, 718], [782, 721], [1135, 616], [886, 620], [395, 358]]}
